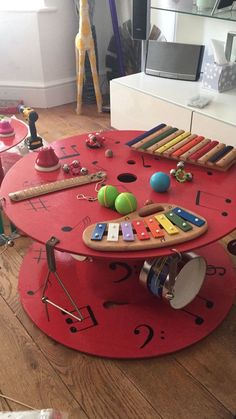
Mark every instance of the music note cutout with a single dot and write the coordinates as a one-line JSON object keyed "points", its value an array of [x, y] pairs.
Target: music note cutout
{"points": [[89, 319], [128, 270], [209, 303], [213, 202], [85, 222], [198, 320], [98, 167], [145, 164], [68, 155]]}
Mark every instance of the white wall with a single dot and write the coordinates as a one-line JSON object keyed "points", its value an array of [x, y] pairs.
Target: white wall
{"points": [[38, 63], [37, 54], [37, 44]]}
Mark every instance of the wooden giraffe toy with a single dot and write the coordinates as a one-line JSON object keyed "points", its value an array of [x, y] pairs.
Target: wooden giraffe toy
{"points": [[84, 43]]}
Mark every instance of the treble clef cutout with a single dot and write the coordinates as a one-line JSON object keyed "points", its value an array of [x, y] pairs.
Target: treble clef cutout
{"points": [[213, 270], [150, 335], [114, 265]]}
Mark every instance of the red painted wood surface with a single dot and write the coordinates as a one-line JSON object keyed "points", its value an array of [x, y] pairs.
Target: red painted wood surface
{"points": [[211, 194], [121, 318], [20, 132]]}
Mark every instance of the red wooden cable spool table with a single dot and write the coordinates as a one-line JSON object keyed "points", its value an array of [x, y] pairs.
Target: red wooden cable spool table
{"points": [[121, 319]]}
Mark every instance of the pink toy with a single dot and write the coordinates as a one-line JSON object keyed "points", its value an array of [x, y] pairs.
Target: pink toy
{"points": [[6, 129]]}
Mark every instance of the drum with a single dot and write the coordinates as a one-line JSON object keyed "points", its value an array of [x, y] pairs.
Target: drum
{"points": [[175, 279]]}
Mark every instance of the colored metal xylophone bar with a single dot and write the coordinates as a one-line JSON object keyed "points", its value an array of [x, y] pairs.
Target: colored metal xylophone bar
{"points": [[173, 143], [153, 226]]}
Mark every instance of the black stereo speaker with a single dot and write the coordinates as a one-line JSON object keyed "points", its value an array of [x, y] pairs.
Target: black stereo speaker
{"points": [[174, 60], [140, 19]]}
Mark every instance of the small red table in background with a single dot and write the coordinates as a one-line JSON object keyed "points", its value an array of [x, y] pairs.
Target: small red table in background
{"points": [[6, 143], [121, 318]]}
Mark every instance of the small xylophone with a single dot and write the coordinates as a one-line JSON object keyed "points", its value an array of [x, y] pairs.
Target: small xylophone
{"points": [[153, 226], [177, 144]]}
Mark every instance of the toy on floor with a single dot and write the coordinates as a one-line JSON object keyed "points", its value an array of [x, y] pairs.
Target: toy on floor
{"points": [[153, 226], [33, 141], [177, 144], [84, 43]]}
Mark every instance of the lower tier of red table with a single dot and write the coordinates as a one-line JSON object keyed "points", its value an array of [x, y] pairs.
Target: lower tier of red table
{"points": [[121, 318]]}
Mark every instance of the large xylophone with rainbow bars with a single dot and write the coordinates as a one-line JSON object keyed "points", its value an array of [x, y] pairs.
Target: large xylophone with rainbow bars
{"points": [[153, 226], [173, 143]]}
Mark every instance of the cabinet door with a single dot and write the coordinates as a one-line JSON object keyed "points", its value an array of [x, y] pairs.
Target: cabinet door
{"points": [[131, 109], [213, 129]]}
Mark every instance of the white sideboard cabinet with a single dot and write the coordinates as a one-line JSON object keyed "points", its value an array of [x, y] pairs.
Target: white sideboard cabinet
{"points": [[141, 101]]}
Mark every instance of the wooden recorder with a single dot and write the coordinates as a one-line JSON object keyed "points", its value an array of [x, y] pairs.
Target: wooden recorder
{"points": [[177, 144], [153, 226]]}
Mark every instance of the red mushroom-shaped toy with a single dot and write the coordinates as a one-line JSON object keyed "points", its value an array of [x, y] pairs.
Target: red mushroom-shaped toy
{"points": [[47, 160]]}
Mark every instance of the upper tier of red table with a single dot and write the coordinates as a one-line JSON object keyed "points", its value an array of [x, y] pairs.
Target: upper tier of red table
{"points": [[211, 194]]}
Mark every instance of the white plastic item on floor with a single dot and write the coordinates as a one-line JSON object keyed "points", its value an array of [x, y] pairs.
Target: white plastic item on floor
{"points": [[34, 414]]}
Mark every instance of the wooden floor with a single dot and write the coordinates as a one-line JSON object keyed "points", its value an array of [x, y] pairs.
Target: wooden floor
{"points": [[196, 383]]}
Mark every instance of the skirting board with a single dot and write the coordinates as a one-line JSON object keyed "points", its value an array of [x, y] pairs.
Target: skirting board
{"points": [[41, 95], [45, 95]]}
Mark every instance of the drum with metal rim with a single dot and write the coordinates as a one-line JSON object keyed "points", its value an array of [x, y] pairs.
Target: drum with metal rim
{"points": [[189, 274]]}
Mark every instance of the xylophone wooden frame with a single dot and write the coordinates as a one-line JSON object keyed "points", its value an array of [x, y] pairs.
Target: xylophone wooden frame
{"points": [[168, 135]]}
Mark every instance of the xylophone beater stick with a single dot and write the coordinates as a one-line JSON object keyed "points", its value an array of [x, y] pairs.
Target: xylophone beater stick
{"points": [[150, 137]]}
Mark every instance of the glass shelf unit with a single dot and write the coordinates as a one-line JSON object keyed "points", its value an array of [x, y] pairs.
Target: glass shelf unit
{"points": [[188, 7]]}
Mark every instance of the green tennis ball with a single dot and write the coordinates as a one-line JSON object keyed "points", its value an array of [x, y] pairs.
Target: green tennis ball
{"points": [[125, 203], [107, 195]]}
